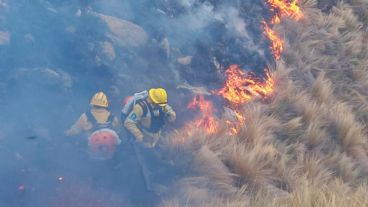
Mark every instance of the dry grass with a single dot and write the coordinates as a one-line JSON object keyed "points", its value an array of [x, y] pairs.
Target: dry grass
{"points": [[308, 146]]}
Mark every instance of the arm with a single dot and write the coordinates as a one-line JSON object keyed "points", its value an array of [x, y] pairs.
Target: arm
{"points": [[82, 124], [127, 108], [132, 120], [169, 113]]}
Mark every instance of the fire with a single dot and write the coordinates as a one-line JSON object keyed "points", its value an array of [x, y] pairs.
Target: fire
{"points": [[235, 125], [277, 44], [276, 20], [241, 87], [206, 118], [282, 8], [286, 8]]}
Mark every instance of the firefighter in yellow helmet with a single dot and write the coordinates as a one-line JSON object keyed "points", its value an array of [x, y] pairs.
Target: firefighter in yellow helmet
{"points": [[148, 115], [97, 117]]}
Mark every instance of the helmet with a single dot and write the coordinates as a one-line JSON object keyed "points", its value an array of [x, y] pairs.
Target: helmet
{"points": [[158, 96], [100, 99]]}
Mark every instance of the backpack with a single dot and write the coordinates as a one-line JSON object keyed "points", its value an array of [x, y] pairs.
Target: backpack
{"points": [[103, 140], [131, 101]]}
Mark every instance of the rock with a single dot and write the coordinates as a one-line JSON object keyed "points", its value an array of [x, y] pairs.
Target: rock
{"points": [[165, 44], [3, 4], [2, 136], [45, 76], [4, 38], [185, 60], [105, 53], [29, 38], [78, 13], [108, 50], [70, 29], [124, 33], [114, 91]]}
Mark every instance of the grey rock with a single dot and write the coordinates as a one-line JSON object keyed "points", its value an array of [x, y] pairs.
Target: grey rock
{"points": [[185, 60], [29, 38], [4, 38], [108, 51], [44, 76], [124, 33]]}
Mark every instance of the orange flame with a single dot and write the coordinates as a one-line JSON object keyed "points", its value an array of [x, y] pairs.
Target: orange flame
{"points": [[206, 118], [235, 125], [286, 8], [282, 8], [277, 44], [276, 19], [241, 87]]}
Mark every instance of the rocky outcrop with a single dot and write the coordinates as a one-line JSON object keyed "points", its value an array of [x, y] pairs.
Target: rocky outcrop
{"points": [[4, 38], [124, 33], [44, 76]]}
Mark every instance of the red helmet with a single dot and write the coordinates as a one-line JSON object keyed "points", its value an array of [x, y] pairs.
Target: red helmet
{"points": [[102, 144]]}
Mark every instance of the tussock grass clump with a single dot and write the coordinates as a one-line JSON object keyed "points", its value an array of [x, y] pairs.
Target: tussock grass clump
{"points": [[308, 145]]}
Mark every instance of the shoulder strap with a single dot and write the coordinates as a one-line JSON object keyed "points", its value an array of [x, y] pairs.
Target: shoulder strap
{"points": [[94, 122], [110, 119], [144, 106], [91, 118]]}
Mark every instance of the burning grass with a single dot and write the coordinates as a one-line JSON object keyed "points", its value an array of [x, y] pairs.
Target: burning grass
{"points": [[307, 145]]}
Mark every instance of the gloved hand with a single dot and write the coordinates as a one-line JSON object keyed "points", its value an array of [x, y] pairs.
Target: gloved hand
{"points": [[169, 113]]}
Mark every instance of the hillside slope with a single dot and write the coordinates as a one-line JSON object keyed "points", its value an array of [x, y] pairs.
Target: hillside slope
{"points": [[308, 145]]}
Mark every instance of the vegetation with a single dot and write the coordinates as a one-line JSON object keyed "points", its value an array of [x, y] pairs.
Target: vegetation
{"points": [[308, 144]]}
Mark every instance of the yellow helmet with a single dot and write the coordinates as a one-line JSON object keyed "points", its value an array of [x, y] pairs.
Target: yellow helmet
{"points": [[158, 96], [100, 99]]}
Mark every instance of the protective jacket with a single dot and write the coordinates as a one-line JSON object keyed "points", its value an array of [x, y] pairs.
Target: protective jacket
{"points": [[92, 120], [144, 119]]}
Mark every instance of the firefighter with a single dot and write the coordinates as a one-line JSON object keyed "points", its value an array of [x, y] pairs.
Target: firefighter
{"points": [[99, 116], [99, 126], [148, 115], [144, 115]]}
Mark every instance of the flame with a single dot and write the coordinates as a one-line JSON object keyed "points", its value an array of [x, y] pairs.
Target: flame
{"points": [[286, 8], [281, 8], [235, 125], [277, 44], [206, 119], [276, 19], [241, 87]]}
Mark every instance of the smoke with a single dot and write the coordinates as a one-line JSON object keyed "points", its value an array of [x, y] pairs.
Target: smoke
{"points": [[55, 54]]}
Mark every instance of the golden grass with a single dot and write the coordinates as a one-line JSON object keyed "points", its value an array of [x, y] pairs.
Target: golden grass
{"points": [[306, 147]]}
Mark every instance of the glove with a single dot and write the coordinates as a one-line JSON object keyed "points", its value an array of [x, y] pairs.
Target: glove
{"points": [[169, 113]]}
